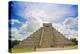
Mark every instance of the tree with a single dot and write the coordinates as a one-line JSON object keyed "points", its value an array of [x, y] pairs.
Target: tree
{"points": [[12, 43], [15, 42], [74, 40]]}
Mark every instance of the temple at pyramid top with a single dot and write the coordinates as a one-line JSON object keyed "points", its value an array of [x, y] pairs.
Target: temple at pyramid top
{"points": [[47, 24]]}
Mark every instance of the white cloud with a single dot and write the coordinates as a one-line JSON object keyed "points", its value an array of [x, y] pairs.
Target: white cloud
{"points": [[69, 33], [65, 27], [36, 14], [27, 28], [17, 34], [71, 22], [33, 24], [30, 26], [14, 31], [46, 12], [15, 21]]}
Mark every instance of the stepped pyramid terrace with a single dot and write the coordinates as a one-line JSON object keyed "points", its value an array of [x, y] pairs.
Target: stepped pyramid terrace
{"points": [[45, 37]]}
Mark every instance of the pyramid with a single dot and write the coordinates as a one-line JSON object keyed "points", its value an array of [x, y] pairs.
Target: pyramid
{"points": [[45, 37]]}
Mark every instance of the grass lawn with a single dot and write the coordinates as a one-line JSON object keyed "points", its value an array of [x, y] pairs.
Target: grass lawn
{"points": [[19, 50], [72, 46]]}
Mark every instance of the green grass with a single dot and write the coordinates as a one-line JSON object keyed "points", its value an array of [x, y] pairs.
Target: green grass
{"points": [[19, 50], [72, 46]]}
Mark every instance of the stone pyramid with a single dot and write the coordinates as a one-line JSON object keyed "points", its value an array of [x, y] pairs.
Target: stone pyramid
{"points": [[45, 37]]}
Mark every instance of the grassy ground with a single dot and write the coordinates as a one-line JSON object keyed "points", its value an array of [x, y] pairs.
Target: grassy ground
{"points": [[72, 46], [19, 50]]}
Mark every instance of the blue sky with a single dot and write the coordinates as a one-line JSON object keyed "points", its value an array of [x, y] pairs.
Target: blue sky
{"points": [[27, 17]]}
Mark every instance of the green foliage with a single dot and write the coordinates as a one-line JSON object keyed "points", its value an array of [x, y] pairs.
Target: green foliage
{"points": [[12, 43], [74, 40], [15, 42]]}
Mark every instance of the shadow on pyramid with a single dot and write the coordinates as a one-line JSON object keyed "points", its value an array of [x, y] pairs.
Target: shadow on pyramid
{"points": [[45, 37]]}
